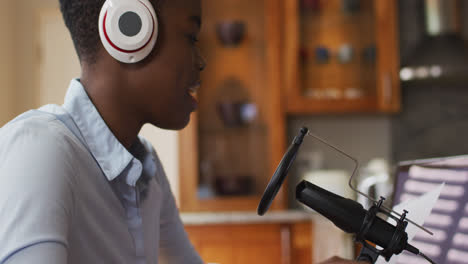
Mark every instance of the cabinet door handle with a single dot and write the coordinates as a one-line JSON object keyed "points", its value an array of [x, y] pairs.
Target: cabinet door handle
{"points": [[387, 89], [285, 244]]}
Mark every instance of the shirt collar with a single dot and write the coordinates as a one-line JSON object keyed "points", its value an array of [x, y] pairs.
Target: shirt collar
{"points": [[110, 154]]}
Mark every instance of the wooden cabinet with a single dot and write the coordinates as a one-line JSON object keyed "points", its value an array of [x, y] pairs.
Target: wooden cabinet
{"points": [[237, 137], [273, 243], [341, 56]]}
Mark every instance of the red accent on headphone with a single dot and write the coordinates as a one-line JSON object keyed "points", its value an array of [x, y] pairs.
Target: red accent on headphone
{"points": [[122, 50]]}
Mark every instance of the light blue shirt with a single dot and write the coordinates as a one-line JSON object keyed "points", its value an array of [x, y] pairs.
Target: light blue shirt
{"points": [[62, 201]]}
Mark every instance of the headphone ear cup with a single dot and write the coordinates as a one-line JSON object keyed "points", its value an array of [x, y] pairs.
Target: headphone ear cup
{"points": [[128, 29]]}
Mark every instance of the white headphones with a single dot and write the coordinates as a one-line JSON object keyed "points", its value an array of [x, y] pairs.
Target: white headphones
{"points": [[128, 29]]}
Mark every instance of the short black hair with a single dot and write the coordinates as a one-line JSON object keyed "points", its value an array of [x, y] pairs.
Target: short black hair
{"points": [[81, 18]]}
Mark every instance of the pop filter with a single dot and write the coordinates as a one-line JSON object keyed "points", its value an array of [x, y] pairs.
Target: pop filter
{"points": [[280, 174]]}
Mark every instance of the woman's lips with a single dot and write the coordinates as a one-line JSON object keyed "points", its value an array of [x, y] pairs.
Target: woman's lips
{"points": [[194, 88], [193, 94]]}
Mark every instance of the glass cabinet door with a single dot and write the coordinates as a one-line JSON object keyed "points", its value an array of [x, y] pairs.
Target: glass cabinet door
{"points": [[341, 56], [337, 49], [233, 135], [237, 138]]}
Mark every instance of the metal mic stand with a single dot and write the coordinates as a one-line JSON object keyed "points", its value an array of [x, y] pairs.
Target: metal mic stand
{"points": [[370, 253]]}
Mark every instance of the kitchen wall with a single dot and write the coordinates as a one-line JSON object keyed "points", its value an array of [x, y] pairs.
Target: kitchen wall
{"points": [[364, 137], [19, 53], [26, 50], [7, 101]]}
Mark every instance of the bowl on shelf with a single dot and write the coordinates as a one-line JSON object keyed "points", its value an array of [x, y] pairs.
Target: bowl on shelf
{"points": [[231, 32], [233, 185], [234, 114]]}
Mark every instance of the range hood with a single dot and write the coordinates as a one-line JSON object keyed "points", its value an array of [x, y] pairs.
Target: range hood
{"points": [[442, 55]]}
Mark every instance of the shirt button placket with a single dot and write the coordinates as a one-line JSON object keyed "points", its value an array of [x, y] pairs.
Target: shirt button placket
{"points": [[134, 219]]}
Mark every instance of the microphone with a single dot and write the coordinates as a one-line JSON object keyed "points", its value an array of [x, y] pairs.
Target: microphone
{"points": [[350, 216]]}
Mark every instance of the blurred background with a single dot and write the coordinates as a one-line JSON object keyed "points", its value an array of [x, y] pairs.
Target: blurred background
{"points": [[385, 80]]}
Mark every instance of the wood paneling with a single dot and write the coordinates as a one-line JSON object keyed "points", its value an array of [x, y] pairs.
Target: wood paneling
{"points": [[301, 243], [388, 78]]}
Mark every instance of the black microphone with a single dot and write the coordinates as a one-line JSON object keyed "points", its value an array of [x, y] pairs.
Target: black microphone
{"points": [[349, 216]]}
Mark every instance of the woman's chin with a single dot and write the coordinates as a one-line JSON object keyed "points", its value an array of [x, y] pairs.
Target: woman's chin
{"points": [[174, 124]]}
